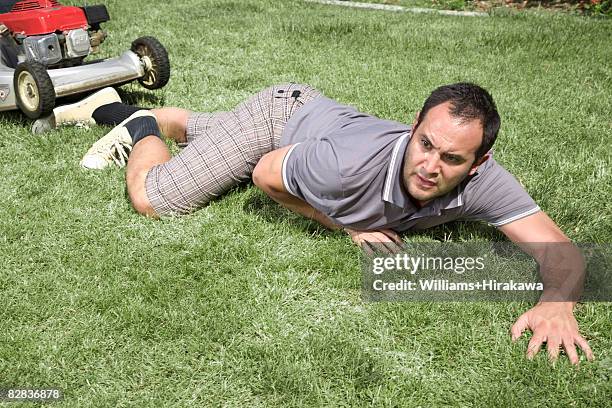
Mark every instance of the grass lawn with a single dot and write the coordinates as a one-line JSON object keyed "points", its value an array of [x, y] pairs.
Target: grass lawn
{"points": [[245, 304]]}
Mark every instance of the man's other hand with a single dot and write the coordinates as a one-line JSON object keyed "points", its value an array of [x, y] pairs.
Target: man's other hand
{"points": [[553, 323], [384, 240]]}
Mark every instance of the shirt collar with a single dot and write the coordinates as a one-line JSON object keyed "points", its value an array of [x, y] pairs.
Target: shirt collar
{"points": [[452, 199], [393, 190]]}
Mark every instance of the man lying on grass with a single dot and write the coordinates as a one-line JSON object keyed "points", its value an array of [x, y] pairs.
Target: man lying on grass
{"points": [[345, 169]]}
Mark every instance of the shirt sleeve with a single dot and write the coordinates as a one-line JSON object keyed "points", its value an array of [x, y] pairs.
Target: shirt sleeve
{"points": [[310, 173], [496, 197]]}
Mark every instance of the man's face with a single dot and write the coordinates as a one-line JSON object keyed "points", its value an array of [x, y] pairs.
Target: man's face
{"points": [[440, 154]]}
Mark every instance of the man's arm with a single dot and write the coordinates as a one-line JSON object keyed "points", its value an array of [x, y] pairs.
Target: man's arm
{"points": [[268, 176], [562, 271]]}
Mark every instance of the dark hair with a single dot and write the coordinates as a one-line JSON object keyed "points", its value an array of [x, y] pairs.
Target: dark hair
{"points": [[468, 102]]}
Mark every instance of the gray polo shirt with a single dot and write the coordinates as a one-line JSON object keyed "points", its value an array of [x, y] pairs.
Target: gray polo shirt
{"points": [[347, 164]]}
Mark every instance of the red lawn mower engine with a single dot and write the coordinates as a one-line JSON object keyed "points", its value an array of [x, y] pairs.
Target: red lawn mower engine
{"points": [[43, 45], [53, 34]]}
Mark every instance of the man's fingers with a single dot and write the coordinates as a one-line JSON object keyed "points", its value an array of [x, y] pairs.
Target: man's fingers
{"points": [[391, 234], [570, 350], [392, 247], [386, 247], [584, 345], [534, 346], [519, 327], [391, 241], [386, 241], [380, 242], [367, 248], [552, 344], [380, 236], [554, 325]]}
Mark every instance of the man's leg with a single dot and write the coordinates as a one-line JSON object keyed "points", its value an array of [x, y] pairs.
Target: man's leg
{"points": [[152, 151], [214, 160], [141, 131], [78, 112], [173, 122], [104, 107], [223, 148], [222, 152], [147, 153], [201, 171]]}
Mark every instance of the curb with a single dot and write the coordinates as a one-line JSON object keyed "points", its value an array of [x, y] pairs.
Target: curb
{"points": [[387, 7]]}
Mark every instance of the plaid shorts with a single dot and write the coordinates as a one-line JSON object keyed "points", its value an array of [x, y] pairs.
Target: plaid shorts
{"points": [[223, 149]]}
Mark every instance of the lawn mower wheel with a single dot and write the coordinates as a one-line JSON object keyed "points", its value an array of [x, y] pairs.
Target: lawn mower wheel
{"points": [[155, 58], [34, 91]]}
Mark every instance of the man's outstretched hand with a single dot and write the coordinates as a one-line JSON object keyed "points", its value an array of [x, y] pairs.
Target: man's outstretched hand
{"points": [[553, 323], [384, 240]]}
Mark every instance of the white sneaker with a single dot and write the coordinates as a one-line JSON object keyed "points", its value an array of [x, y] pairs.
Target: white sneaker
{"points": [[77, 113], [114, 147]]}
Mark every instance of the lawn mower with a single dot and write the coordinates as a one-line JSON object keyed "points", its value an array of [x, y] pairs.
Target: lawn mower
{"points": [[43, 46]]}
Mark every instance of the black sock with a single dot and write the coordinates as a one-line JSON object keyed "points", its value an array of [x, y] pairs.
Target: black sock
{"points": [[113, 113], [141, 127]]}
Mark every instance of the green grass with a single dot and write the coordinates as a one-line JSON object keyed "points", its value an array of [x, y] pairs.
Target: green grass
{"points": [[244, 304]]}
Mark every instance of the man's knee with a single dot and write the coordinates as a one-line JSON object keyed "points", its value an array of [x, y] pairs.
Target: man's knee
{"points": [[138, 194], [142, 205]]}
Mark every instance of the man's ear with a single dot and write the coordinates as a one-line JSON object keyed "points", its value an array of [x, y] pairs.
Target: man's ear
{"points": [[478, 163]]}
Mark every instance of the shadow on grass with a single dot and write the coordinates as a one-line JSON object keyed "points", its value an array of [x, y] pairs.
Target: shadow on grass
{"points": [[15, 118], [132, 96], [263, 206], [460, 231], [259, 204]]}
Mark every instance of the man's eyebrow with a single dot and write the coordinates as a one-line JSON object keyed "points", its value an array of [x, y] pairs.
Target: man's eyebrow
{"points": [[457, 155], [454, 155]]}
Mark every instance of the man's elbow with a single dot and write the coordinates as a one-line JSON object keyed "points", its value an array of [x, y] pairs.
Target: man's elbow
{"points": [[259, 176], [264, 178]]}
